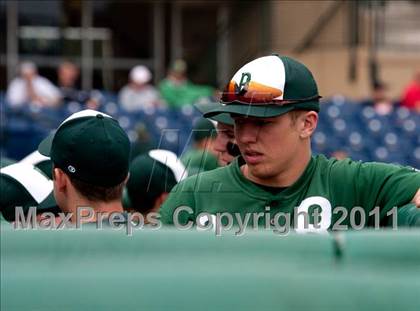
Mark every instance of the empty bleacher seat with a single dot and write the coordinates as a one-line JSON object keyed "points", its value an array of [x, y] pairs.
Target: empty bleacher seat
{"points": [[343, 125]]}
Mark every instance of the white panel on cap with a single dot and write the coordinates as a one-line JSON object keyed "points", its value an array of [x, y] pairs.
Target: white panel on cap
{"points": [[214, 122], [170, 159], [34, 158], [84, 113], [36, 183], [267, 70]]}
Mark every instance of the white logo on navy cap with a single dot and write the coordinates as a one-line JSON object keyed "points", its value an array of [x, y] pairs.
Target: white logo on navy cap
{"points": [[71, 169]]}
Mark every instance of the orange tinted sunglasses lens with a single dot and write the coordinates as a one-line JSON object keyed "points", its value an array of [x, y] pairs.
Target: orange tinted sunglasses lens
{"points": [[251, 92]]}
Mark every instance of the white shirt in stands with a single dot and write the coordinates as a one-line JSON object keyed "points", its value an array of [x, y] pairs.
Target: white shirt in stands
{"points": [[135, 100], [17, 94]]}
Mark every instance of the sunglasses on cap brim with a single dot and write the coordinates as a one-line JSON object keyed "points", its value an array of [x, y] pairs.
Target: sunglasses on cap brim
{"points": [[254, 93]]}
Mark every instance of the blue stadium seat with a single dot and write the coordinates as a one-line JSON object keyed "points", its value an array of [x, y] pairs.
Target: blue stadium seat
{"points": [[381, 153], [359, 143], [409, 126], [343, 125], [111, 108], [415, 158], [72, 107]]}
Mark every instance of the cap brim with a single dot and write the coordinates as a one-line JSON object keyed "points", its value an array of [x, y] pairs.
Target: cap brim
{"points": [[6, 161], [249, 110], [222, 117], [126, 201], [48, 203], [44, 147]]}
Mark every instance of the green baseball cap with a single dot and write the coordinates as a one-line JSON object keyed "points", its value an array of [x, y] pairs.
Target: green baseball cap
{"points": [[25, 185], [90, 146], [202, 129], [205, 107], [4, 161], [269, 86], [152, 174], [42, 162]]}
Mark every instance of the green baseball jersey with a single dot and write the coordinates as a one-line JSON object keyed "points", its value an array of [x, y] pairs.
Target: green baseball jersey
{"points": [[339, 189], [197, 161]]}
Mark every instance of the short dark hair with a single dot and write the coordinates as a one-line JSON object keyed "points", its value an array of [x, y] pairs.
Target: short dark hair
{"points": [[94, 192], [143, 204], [294, 115], [378, 86], [203, 129], [149, 179], [98, 193]]}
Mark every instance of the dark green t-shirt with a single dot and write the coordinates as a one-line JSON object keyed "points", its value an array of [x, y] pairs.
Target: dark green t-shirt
{"points": [[325, 183]]}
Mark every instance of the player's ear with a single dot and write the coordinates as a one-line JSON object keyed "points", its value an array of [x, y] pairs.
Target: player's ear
{"points": [[159, 201], [416, 199], [126, 179], [309, 122], [60, 179]]}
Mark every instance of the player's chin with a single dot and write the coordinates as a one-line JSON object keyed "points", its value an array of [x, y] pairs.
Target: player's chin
{"points": [[225, 160], [260, 170]]}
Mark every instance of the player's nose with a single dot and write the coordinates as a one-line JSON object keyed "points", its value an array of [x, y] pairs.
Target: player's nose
{"points": [[246, 132]]}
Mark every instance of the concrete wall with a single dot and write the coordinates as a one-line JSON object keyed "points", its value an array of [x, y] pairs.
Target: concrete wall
{"points": [[291, 21], [245, 32], [331, 70], [328, 57]]}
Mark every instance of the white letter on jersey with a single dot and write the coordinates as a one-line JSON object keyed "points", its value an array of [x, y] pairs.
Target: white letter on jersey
{"points": [[303, 211]]}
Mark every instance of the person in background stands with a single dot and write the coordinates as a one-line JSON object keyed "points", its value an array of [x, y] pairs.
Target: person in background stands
{"points": [[67, 75], [177, 90], [29, 88], [139, 94], [379, 100], [411, 95]]}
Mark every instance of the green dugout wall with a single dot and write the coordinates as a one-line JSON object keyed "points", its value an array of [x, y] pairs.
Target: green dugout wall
{"points": [[170, 269]]}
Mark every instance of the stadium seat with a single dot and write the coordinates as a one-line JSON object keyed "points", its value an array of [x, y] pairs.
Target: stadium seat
{"points": [[343, 125]]}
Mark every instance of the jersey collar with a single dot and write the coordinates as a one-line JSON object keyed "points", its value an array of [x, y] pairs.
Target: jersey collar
{"points": [[257, 192]]}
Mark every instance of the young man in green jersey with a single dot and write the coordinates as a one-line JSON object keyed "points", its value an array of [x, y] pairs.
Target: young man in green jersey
{"points": [[224, 144], [152, 176], [201, 156], [274, 101], [90, 154]]}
